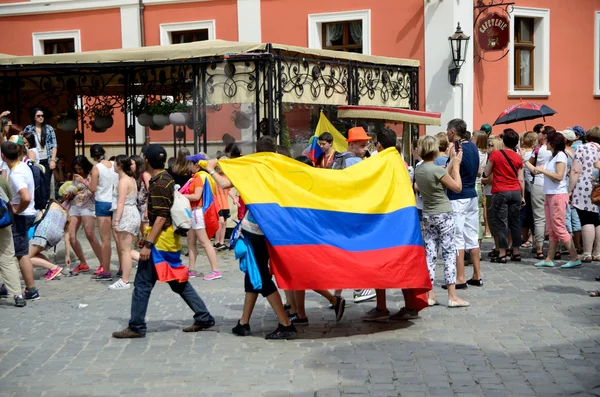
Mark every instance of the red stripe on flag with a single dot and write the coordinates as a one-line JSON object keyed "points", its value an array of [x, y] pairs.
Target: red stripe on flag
{"points": [[167, 273], [211, 220], [403, 267]]}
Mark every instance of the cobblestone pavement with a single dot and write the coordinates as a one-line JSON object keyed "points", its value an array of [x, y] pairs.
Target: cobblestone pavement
{"points": [[528, 332]]}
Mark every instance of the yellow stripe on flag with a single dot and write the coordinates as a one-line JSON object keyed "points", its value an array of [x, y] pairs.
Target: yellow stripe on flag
{"points": [[377, 185]]}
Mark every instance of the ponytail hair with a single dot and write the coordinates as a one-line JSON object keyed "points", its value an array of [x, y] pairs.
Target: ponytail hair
{"points": [[124, 163]]}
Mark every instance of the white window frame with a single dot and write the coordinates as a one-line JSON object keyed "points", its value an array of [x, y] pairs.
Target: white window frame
{"points": [[167, 28], [40, 37], [597, 54], [541, 53], [316, 21]]}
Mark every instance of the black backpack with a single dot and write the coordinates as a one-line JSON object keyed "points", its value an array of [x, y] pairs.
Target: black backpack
{"points": [[41, 193], [339, 160]]}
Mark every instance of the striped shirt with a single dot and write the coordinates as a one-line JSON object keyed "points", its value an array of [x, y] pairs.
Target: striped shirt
{"points": [[162, 188]]}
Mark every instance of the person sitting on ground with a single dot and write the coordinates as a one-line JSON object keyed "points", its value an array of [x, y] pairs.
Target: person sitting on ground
{"points": [[53, 226]]}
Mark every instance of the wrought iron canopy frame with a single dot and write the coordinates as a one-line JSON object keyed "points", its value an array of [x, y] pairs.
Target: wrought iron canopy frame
{"points": [[267, 79]]}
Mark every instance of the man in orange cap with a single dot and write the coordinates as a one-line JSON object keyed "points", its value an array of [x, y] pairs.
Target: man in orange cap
{"points": [[357, 146]]}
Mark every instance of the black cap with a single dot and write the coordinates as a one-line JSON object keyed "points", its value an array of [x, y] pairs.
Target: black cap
{"points": [[156, 154], [96, 151]]}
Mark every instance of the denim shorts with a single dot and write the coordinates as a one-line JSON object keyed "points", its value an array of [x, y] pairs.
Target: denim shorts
{"points": [[103, 209], [20, 231]]}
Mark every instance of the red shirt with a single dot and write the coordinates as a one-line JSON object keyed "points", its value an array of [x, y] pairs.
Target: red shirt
{"points": [[504, 178]]}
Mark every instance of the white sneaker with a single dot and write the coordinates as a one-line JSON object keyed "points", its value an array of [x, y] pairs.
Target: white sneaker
{"points": [[119, 284], [362, 295]]}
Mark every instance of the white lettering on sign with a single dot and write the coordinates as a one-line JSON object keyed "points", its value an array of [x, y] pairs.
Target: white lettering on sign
{"points": [[493, 22]]}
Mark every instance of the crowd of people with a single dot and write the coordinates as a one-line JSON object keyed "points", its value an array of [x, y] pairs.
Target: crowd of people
{"points": [[518, 189]]}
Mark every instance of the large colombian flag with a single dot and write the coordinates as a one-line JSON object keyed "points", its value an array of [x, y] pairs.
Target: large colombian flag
{"points": [[166, 256], [336, 229]]}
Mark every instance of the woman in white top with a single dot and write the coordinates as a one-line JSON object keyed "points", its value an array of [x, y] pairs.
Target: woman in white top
{"points": [[557, 200], [126, 222], [103, 181], [32, 150]]}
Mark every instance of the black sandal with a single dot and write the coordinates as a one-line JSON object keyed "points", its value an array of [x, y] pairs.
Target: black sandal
{"points": [[515, 257], [499, 259], [540, 255], [597, 278], [557, 256], [493, 254]]}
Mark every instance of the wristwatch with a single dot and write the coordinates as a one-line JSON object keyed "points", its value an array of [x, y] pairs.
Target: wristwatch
{"points": [[211, 172], [149, 244]]}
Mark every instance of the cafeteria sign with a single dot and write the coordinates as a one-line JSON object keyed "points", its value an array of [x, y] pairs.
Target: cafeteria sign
{"points": [[493, 32]]}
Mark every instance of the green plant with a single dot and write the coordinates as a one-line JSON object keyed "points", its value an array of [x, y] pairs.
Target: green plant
{"points": [[164, 107], [180, 107], [67, 114], [105, 110]]}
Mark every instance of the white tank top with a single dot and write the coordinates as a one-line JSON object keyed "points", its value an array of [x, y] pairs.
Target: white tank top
{"points": [[107, 179]]}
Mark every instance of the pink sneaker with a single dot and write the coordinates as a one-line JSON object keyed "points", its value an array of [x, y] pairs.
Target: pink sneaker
{"points": [[98, 271], [213, 275], [191, 274], [53, 273]]}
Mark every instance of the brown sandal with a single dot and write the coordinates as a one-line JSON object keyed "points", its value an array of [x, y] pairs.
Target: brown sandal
{"points": [[595, 293]]}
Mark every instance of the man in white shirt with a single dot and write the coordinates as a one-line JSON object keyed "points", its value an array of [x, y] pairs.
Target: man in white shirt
{"points": [[539, 158], [22, 186]]}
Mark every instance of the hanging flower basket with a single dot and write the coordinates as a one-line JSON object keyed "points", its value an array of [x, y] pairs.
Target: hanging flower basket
{"points": [[155, 127], [160, 112], [241, 120], [103, 123], [179, 118], [145, 119], [161, 120], [69, 125]]}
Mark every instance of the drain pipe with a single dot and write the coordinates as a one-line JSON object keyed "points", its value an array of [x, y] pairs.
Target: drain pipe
{"points": [[142, 30]]}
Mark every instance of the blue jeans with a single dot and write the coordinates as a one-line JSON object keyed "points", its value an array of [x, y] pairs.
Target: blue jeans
{"points": [[145, 278]]}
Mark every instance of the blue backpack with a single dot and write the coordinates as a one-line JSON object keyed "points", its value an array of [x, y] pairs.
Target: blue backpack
{"points": [[6, 214], [41, 193]]}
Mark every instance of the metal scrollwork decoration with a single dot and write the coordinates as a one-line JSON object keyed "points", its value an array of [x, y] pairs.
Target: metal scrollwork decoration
{"points": [[318, 77], [389, 84], [230, 78]]}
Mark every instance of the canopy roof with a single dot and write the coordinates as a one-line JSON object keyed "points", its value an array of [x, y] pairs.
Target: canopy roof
{"points": [[183, 52], [389, 114]]}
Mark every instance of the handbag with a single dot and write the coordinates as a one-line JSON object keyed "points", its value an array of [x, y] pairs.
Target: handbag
{"points": [[595, 196]]}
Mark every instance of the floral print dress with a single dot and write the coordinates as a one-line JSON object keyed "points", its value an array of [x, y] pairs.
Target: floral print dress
{"points": [[586, 155]]}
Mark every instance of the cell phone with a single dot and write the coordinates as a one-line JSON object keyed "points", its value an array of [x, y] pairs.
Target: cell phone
{"points": [[457, 146]]}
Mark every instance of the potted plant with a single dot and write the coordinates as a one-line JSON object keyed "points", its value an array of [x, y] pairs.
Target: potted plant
{"points": [[141, 112], [155, 127], [67, 120], [180, 115], [241, 119], [160, 112], [103, 118]]}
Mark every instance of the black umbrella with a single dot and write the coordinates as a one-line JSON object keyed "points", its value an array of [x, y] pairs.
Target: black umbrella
{"points": [[524, 111]]}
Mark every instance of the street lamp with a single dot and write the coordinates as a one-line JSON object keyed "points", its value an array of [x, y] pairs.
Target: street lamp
{"points": [[458, 44]]}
